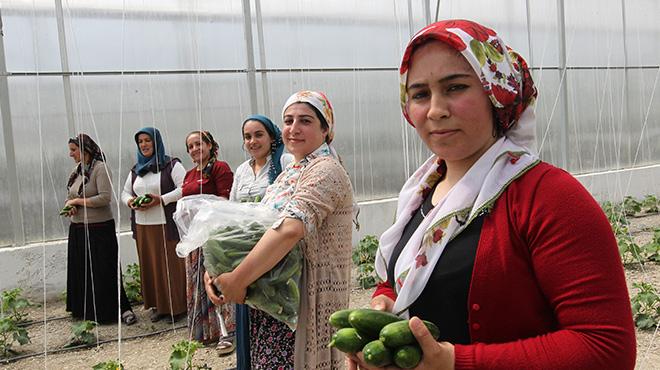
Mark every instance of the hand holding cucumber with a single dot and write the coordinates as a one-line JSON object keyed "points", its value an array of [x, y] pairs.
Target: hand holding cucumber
{"points": [[145, 201]]}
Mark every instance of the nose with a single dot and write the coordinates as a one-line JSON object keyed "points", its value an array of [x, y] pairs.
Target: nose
{"points": [[438, 109]]}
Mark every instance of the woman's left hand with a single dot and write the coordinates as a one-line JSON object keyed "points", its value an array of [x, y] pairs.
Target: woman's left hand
{"points": [[155, 200], [73, 202], [231, 289], [435, 355]]}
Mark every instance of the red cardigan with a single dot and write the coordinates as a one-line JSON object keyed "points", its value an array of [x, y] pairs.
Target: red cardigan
{"points": [[548, 289], [219, 183]]}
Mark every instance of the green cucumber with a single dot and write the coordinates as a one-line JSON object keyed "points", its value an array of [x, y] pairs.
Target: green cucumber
{"points": [[369, 322], [347, 340], [339, 319], [376, 354], [398, 334], [407, 357], [66, 210]]}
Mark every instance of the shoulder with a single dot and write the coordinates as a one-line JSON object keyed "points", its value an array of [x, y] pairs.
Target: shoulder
{"points": [[100, 169], [221, 166], [243, 166], [326, 168], [285, 159], [545, 181]]}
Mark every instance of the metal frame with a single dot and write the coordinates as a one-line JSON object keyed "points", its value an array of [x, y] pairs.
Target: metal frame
{"points": [[563, 77], [249, 46], [64, 60]]}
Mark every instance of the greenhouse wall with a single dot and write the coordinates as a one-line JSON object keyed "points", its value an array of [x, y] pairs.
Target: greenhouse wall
{"points": [[108, 68]]}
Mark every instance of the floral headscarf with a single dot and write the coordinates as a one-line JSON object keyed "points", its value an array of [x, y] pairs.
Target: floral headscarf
{"points": [[507, 82], [276, 148], [320, 102], [504, 74]]}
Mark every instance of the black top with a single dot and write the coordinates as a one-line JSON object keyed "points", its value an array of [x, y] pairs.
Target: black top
{"points": [[445, 298]]}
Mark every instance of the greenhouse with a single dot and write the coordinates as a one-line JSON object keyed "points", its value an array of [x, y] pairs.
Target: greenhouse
{"points": [[184, 75]]}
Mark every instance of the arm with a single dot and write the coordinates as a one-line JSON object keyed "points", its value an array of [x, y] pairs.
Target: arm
{"points": [[103, 188], [127, 194], [575, 261], [178, 174], [223, 178]]}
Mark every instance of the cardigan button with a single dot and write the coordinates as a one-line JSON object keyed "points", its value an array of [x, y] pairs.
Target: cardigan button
{"points": [[476, 307], [476, 326]]}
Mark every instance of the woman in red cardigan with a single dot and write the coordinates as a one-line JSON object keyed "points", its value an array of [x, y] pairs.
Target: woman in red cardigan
{"points": [[509, 256], [209, 176]]}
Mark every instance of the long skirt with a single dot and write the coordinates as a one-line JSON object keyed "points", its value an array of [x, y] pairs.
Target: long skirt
{"points": [[91, 284], [272, 343], [162, 272], [202, 317]]}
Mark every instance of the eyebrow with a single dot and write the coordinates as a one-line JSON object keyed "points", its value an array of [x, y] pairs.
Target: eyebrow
{"points": [[302, 115], [442, 80]]}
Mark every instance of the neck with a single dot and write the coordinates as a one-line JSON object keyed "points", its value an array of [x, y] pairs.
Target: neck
{"points": [[202, 164], [260, 161]]}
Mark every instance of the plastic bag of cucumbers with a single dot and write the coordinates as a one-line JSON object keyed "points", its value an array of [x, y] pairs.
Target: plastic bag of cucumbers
{"points": [[383, 338], [227, 232]]}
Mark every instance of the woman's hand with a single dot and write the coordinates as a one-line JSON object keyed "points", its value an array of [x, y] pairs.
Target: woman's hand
{"points": [[211, 290], [232, 289], [382, 303], [435, 355], [155, 201], [131, 205]]}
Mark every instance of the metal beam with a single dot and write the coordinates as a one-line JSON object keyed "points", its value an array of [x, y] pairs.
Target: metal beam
{"points": [[265, 90], [563, 105], [249, 46], [10, 152], [64, 60]]}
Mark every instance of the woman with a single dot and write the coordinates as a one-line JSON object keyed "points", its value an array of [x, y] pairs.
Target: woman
{"points": [[315, 201], [511, 257], [209, 176], [263, 141], [91, 289], [162, 272]]}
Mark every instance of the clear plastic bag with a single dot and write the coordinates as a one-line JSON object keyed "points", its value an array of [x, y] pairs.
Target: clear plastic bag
{"points": [[227, 232]]}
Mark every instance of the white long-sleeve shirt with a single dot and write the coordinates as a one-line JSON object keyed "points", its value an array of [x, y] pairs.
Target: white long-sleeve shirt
{"points": [[247, 185], [150, 183]]}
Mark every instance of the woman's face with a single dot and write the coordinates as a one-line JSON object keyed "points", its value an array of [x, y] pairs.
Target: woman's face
{"points": [[74, 152], [447, 104], [302, 133], [199, 150], [146, 145], [256, 140]]}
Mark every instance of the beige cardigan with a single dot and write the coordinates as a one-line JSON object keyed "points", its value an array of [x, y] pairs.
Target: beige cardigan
{"points": [[325, 195]]}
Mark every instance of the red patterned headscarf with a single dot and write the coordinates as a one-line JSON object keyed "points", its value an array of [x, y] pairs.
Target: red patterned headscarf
{"points": [[504, 74]]}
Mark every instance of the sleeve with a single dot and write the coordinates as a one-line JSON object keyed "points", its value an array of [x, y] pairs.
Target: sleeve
{"points": [[322, 188], [103, 186], [127, 192], [178, 174], [223, 178], [384, 288], [574, 259]]}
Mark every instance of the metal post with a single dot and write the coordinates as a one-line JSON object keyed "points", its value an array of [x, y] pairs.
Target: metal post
{"points": [[530, 58], [427, 12], [563, 106], [626, 105], [252, 82], [64, 60], [265, 91], [411, 26], [10, 153]]}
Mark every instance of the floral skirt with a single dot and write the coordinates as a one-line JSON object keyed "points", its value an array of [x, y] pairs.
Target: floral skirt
{"points": [[272, 343]]}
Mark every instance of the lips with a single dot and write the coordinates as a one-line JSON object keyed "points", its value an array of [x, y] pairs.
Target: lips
{"points": [[443, 133]]}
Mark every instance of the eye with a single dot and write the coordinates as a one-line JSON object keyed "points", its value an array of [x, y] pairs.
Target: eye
{"points": [[456, 87], [418, 94], [288, 121]]}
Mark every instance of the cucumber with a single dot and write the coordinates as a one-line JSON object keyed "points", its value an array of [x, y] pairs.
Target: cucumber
{"points": [[369, 322], [339, 319], [66, 210], [398, 334], [376, 354], [407, 357], [347, 340]]}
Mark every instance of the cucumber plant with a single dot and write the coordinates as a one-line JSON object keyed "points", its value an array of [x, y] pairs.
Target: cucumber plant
{"points": [[15, 305], [182, 355], [82, 334], [646, 306], [364, 256], [11, 332], [650, 204], [108, 365], [132, 283]]}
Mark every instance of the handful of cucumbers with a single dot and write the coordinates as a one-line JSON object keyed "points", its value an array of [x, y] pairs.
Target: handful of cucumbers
{"points": [[383, 337], [142, 199], [66, 210], [276, 292]]}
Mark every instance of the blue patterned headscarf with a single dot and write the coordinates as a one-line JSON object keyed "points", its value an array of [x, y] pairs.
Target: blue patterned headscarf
{"points": [[158, 159], [276, 147]]}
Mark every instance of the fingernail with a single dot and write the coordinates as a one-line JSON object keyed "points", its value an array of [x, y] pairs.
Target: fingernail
{"points": [[415, 324]]}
